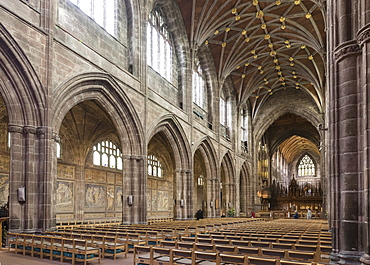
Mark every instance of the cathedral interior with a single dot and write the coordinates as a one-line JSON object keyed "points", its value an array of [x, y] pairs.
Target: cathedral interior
{"points": [[133, 111]]}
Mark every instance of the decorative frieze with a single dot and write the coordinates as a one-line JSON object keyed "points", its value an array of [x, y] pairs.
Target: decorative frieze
{"points": [[363, 35], [350, 48]]}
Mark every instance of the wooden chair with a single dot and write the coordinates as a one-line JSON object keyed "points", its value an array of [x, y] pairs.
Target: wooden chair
{"points": [[249, 251], [240, 243], [84, 252], [168, 244], [302, 256], [276, 253], [162, 256], [262, 261], [143, 255], [293, 262], [111, 246], [282, 246], [225, 249], [260, 244], [182, 256], [217, 241], [67, 250], [205, 247], [206, 258], [186, 245], [233, 259]]}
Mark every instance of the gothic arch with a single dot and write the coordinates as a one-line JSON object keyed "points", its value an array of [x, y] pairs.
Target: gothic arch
{"points": [[169, 127], [247, 192], [228, 180], [261, 125], [105, 90], [20, 87], [208, 153]]}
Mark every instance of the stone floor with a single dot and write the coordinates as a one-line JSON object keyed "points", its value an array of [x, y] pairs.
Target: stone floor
{"points": [[9, 258]]}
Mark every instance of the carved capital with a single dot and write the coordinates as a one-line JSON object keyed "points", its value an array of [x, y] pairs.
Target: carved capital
{"points": [[349, 48], [29, 130], [363, 35], [41, 131], [15, 128]]}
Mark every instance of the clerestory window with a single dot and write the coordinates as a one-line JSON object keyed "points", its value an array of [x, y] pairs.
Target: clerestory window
{"points": [[159, 45], [102, 11], [199, 86]]}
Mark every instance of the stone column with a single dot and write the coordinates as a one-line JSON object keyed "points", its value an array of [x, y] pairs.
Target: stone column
{"points": [[183, 195], [134, 190], [16, 178], [363, 39], [345, 135], [46, 181]]}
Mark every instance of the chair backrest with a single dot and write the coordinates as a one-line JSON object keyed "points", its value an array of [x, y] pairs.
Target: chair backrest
{"points": [[234, 259], [206, 256], [225, 249], [262, 261], [186, 245], [205, 247]]}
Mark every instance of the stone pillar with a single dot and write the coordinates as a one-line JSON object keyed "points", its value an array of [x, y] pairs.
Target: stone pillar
{"points": [[345, 134], [134, 190], [30, 173], [363, 39], [46, 180], [16, 178], [183, 195]]}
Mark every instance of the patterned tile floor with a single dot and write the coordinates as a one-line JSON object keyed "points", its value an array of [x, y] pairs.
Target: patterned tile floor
{"points": [[9, 258]]}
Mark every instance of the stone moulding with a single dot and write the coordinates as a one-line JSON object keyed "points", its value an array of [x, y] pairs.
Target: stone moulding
{"points": [[363, 35], [348, 48]]}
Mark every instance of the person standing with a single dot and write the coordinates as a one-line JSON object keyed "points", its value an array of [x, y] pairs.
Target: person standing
{"points": [[309, 213]]}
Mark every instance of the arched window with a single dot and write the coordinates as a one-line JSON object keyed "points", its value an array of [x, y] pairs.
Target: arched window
{"points": [[102, 11], [154, 167], [199, 86], [306, 167], [225, 117], [159, 50], [244, 129], [107, 154]]}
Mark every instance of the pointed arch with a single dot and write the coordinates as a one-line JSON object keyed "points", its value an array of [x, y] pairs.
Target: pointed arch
{"points": [[246, 190], [228, 180], [209, 160], [168, 129], [20, 87], [176, 136], [105, 90]]}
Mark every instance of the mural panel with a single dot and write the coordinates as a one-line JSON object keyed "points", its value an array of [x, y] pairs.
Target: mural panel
{"points": [[4, 188], [95, 197], [119, 194], [64, 196], [110, 198]]}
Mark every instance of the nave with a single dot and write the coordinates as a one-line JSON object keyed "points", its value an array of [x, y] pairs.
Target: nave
{"points": [[255, 241]]}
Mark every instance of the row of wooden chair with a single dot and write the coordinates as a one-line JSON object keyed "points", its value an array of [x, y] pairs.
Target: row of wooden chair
{"points": [[148, 255], [240, 243], [109, 245], [53, 247], [283, 253]]}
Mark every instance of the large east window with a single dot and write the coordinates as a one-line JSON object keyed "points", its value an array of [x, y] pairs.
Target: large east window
{"points": [[102, 11], [159, 49], [306, 167], [107, 154]]}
